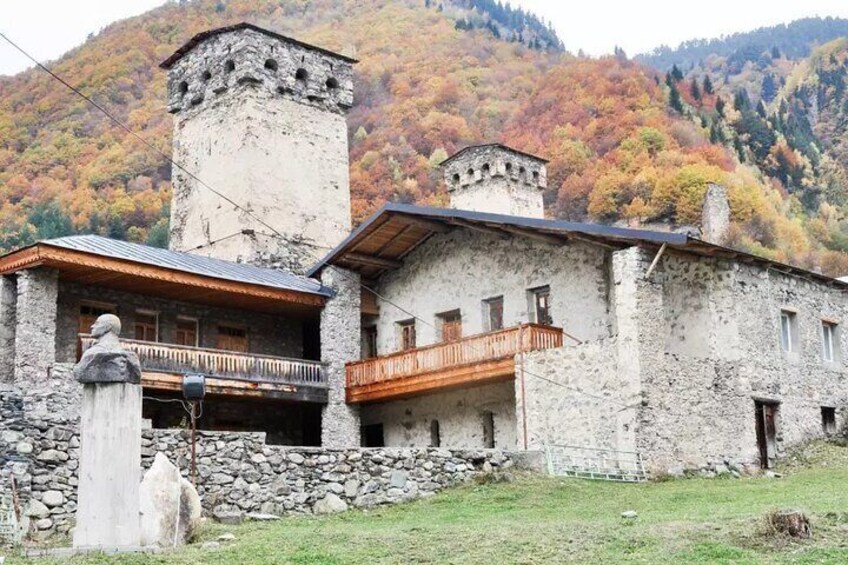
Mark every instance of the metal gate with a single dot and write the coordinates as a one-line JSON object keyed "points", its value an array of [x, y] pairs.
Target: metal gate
{"points": [[593, 463]]}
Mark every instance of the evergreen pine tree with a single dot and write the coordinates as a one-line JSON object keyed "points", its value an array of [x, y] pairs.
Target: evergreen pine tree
{"points": [[708, 85], [676, 73], [674, 99], [769, 88], [695, 90], [719, 106]]}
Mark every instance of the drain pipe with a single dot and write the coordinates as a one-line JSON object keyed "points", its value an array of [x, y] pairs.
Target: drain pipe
{"points": [[523, 392]]}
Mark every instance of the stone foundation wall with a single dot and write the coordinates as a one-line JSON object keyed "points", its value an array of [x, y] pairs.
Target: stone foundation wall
{"points": [[237, 473]]}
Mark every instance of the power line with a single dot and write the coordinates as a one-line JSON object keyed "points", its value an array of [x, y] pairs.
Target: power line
{"points": [[126, 128]]}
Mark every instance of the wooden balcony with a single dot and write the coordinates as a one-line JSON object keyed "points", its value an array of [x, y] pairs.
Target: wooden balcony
{"points": [[227, 372], [474, 360]]}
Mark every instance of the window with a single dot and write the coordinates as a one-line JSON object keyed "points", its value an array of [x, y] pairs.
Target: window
{"points": [[450, 325], [332, 83], [372, 436], [271, 64], [232, 338], [369, 342], [89, 312], [146, 326], [489, 430], [435, 434], [230, 66], [830, 343], [186, 332], [788, 331], [406, 334], [541, 305], [301, 74], [493, 312], [828, 419]]}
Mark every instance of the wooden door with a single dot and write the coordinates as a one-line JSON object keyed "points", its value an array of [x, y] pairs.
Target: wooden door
{"points": [[451, 327], [766, 426]]}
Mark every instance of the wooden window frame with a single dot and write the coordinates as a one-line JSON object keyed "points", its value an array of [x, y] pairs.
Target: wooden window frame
{"points": [[177, 330], [534, 295], [830, 341], [450, 325], [136, 324], [405, 329], [104, 307], [788, 331], [238, 327], [488, 310]]}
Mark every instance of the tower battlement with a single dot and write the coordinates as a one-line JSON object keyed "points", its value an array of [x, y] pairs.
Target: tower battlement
{"points": [[496, 178], [216, 62]]}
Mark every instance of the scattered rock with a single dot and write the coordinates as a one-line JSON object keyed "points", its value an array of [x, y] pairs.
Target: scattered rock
{"points": [[262, 517], [629, 515], [229, 517], [226, 537], [210, 545], [330, 504], [44, 524]]}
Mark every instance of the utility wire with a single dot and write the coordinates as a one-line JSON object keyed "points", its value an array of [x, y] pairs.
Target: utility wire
{"points": [[126, 128]]}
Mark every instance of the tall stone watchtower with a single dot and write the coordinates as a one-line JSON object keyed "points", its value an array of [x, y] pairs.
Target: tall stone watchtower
{"points": [[260, 118], [498, 179]]}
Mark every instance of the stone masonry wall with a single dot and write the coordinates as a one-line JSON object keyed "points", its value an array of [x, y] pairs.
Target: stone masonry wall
{"points": [[461, 269], [36, 328], [237, 472], [8, 321]]}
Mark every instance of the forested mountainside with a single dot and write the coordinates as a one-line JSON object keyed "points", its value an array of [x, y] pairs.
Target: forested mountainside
{"points": [[626, 143], [794, 40]]}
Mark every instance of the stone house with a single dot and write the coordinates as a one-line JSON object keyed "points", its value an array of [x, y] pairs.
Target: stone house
{"points": [[482, 325]]}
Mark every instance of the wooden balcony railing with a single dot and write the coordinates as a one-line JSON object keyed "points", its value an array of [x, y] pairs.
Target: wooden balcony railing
{"points": [[476, 349], [169, 358]]}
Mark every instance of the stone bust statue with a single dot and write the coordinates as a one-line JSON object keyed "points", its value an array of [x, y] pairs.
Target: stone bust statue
{"points": [[105, 361]]}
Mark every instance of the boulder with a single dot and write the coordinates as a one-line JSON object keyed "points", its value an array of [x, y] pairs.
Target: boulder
{"points": [[169, 504], [229, 517], [53, 498], [37, 509], [330, 504]]}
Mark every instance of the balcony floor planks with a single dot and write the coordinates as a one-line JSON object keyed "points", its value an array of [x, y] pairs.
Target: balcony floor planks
{"points": [[237, 388], [484, 372]]}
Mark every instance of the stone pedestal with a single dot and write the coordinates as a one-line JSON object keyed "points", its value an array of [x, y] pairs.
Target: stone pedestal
{"points": [[110, 466]]}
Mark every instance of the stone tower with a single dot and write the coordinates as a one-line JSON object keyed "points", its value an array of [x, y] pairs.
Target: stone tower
{"points": [[259, 118], [498, 179]]}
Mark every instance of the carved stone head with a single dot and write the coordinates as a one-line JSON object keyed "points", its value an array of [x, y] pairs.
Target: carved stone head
{"points": [[107, 323]]}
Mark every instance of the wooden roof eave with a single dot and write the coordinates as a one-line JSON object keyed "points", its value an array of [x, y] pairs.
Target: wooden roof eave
{"points": [[44, 255]]}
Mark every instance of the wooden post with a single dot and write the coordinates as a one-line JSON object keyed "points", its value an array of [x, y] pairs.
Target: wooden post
{"points": [[523, 393]]}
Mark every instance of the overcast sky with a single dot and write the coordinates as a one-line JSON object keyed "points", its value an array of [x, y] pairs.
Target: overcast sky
{"points": [[48, 28]]}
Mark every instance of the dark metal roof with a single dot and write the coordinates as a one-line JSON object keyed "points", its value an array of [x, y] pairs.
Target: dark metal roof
{"points": [[194, 41], [610, 236], [189, 263], [487, 145]]}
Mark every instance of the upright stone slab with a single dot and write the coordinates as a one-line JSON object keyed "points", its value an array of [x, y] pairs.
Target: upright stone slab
{"points": [[340, 343], [110, 442], [35, 332]]}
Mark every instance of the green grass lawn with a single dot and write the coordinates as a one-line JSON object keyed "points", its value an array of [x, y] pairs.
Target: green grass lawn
{"points": [[545, 520]]}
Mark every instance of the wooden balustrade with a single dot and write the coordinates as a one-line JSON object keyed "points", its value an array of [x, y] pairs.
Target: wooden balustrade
{"points": [[481, 348], [169, 358]]}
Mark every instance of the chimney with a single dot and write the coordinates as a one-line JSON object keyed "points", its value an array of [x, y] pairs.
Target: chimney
{"points": [[260, 118], [497, 179], [715, 215]]}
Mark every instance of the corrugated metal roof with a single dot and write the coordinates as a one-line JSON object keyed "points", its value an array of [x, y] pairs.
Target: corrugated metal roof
{"points": [[189, 263]]}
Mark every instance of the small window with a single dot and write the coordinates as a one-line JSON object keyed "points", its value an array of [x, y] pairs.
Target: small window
{"points": [[521, 170], [535, 175], [828, 414], [369, 342], [489, 430], [271, 64], [406, 334], [450, 325], [186, 333], [372, 436], [830, 342], [508, 167], [493, 311], [301, 74], [456, 177], [230, 66], [207, 75], [146, 326], [470, 173], [541, 305], [332, 83], [231, 338], [788, 331], [486, 168], [183, 88], [435, 434]]}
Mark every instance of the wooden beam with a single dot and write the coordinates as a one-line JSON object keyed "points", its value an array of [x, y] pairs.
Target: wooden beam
{"points": [[372, 261], [236, 388], [530, 234], [497, 232], [457, 377], [426, 224], [393, 239]]}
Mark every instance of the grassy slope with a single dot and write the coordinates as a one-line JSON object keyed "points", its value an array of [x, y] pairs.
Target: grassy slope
{"points": [[554, 521]]}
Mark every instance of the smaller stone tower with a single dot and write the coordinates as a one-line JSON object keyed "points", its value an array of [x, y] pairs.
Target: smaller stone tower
{"points": [[260, 118], [497, 179]]}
